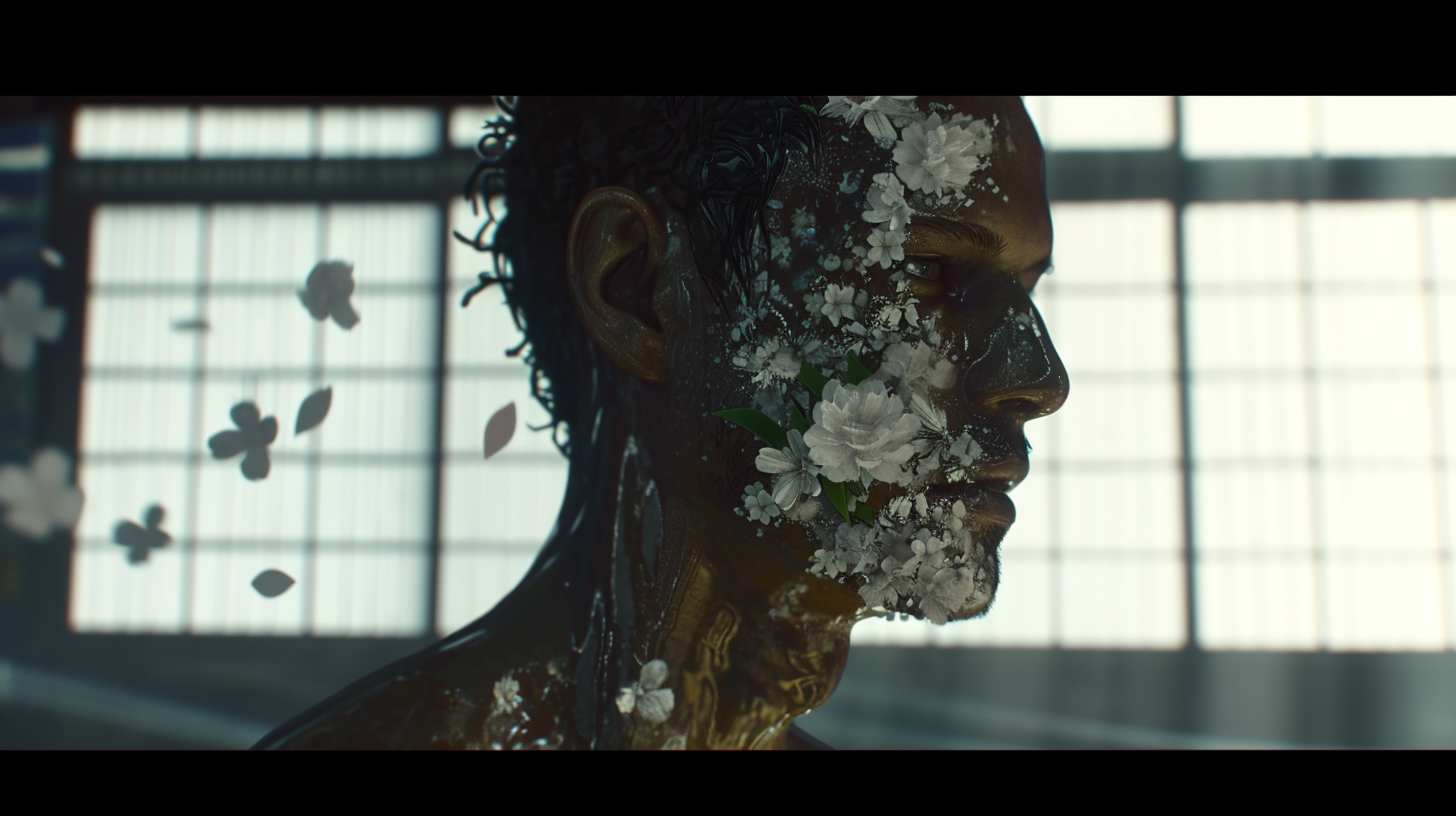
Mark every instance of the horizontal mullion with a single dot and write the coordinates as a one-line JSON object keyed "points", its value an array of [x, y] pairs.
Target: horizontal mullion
{"points": [[430, 178], [325, 458], [1071, 176], [285, 289]]}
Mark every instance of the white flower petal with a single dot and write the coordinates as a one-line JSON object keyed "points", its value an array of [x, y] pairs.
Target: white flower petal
{"points": [[653, 674], [655, 706]]}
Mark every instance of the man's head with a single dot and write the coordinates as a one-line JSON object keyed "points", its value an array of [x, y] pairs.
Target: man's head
{"points": [[878, 328]]}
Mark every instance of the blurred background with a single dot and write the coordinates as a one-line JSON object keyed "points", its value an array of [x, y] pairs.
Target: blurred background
{"points": [[1236, 533]]}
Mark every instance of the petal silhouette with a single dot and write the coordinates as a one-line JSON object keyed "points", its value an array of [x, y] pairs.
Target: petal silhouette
{"points": [[316, 302], [128, 534], [272, 583], [154, 516], [345, 315], [255, 464], [246, 415], [48, 324], [227, 444], [51, 467], [313, 410], [500, 429], [267, 431], [66, 507], [17, 348]]}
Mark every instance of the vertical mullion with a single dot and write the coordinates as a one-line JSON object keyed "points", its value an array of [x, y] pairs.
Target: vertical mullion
{"points": [[1440, 467], [1312, 403], [191, 549], [433, 595], [1185, 396]]}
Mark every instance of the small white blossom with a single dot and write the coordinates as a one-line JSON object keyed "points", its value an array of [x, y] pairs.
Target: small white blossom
{"points": [[650, 702], [24, 317], [40, 499], [507, 694], [966, 450], [931, 417], [886, 247], [876, 111], [759, 504], [839, 303], [802, 222], [933, 157], [779, 251], [814, 301], [795, 474], [887, 203], [861, 432]]}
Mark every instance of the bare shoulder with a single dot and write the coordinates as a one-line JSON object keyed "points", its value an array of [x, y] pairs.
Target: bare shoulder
{"points": [[468, 691]]}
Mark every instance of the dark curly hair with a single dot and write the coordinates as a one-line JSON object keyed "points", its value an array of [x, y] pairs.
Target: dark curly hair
{"points": [[721, 155]]}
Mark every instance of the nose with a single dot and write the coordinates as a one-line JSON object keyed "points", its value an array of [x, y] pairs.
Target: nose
{"points": [[1020, 377]]}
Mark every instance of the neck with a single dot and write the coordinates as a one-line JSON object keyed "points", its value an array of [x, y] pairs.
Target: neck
{"points": [[750, 640]]}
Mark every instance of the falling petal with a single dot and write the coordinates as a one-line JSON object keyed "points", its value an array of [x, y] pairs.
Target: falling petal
{"points": [[267, 431], [272, 583], [50, 467], [193, 324], [345, 315], [500, 429], [246, 415], [255, 464], [154, 516], [227, 444], [316, 302], [313, 410], [128, 534], [52, 258]]}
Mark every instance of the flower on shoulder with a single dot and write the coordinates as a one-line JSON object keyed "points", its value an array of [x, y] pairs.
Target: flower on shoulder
{"points": [[887, 203], [861, 432], [852, 551], [759, 504], [933, 157], [944, 591], [794, 474], [645, 697], [507, 693]]}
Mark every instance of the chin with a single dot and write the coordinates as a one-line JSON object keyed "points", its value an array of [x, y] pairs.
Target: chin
{"points": [[984, 595]]}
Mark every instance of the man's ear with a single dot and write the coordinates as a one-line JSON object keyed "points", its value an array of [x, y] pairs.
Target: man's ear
{"points": [[614, 256]]}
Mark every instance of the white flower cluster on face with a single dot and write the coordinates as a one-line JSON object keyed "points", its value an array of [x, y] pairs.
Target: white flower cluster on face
{"points": [[887, 203], [759, 504], [934, 157], [878, 112], [914, 369], [794, 474], [861, 432]]}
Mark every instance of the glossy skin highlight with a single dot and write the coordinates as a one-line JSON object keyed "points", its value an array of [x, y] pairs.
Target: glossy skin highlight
{"points": [[750, 638]]}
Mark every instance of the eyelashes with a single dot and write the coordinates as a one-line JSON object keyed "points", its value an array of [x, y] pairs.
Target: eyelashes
{"points": [[928, 269]]}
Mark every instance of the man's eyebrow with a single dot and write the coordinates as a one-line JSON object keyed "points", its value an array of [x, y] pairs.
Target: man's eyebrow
{"points": [[979, 236]]}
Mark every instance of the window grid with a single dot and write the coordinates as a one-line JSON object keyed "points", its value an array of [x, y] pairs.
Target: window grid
{"points": [[490, 383]]}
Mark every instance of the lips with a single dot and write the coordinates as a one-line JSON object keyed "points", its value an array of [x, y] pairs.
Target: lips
{"points": [[984, 501]]}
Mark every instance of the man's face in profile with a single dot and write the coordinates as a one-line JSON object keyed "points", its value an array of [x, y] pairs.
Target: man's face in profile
{"points": [[921, 266]]}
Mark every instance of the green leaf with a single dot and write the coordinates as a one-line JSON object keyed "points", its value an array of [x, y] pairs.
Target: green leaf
{"points": [[863, 511], [835, 492], [797, 422], [857, 372], [765, 428], [810, 108], [813, 380]]}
